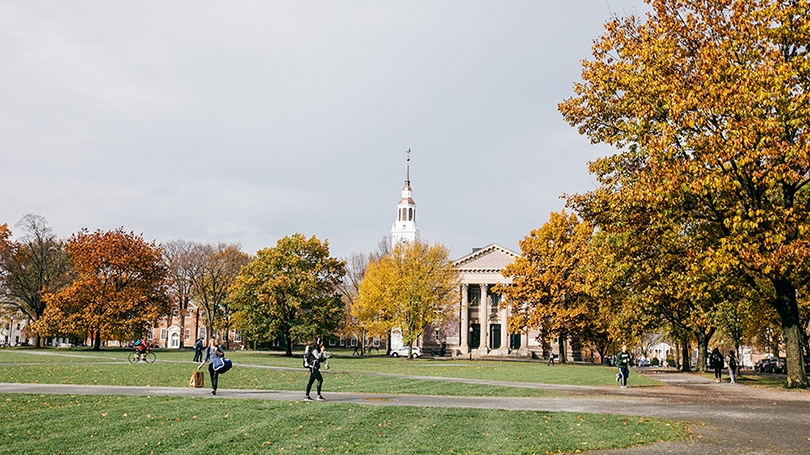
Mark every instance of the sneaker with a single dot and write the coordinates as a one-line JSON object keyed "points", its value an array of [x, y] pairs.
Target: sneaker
{"points": [[214, 392], [321, 398], [624, 387], [308, 398], [717, 381]]}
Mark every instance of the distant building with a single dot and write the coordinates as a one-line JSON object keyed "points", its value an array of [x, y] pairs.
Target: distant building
{"points": [[404, 228]]}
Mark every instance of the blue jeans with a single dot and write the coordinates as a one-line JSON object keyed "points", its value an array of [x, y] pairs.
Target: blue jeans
{"points": [[625, 373]]}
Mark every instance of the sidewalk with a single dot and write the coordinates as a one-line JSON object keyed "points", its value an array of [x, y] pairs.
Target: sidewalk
{"points": [[735, 418]]}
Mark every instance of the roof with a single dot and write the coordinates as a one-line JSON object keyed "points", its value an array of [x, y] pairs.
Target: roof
{"points": [[491, 258]]}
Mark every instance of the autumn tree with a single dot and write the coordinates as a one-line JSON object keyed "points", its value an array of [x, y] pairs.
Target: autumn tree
{"points": [[411, 286], [289, 291], [708, 104], [32, 266], [178, 258], [349, 288], [546, 292], [120, 288], [211, 273]]}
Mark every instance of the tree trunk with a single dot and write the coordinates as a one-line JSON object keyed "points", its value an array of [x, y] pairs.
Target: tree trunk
{"points": [[288, 352], [703, 339], [685, 357], [563, 349], [96, 340], [785, 304], [182, 327]]}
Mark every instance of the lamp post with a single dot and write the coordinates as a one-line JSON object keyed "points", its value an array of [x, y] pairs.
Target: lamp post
{"points": [[469, 343]]}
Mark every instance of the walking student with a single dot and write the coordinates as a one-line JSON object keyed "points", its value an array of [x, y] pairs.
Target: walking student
{"points": [[211, 352], [732, 366], [716, 362], [312, 360], [198, 348], [623, 362]]}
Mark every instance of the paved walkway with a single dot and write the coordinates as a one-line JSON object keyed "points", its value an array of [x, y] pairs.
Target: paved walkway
{"points": [[725, 417]]}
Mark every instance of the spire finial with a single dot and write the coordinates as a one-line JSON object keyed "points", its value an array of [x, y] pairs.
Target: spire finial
{"points": [[408, 168]]}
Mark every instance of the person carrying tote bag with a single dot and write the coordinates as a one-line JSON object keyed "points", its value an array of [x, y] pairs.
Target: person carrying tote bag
{"points": [[214, 354]]}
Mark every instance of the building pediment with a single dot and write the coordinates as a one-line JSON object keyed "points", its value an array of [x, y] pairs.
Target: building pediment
{"points": [[491, 258]]}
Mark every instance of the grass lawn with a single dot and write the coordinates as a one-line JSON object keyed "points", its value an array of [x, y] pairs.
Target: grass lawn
{"points": [[346, 374], [51, 424]]}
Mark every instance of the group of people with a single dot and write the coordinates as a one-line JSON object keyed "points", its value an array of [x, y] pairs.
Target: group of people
{"points": [[314, 357], [717, 362]]}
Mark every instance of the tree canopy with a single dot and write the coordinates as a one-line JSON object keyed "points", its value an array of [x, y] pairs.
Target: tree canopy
{"points": [[708, 104], [289, 291], [32, 266], [413, 285], [120, 288], [211, 271]]}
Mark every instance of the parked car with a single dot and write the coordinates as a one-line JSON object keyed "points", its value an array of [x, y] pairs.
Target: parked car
{"points": [[772, 365], [403, 352]]}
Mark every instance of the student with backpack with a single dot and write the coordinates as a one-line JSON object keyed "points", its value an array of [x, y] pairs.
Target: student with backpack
{"points": [[716, 362], [312, 360], [732, 366]]}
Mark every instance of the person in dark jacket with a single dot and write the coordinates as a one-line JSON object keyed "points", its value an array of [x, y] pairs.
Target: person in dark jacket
{"points": [[211, 352], [716, 361], [198, 348], [313, 362], [623, 362]]}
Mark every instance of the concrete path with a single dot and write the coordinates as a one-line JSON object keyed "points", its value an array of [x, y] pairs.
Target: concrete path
{"points": [[723, 418]]}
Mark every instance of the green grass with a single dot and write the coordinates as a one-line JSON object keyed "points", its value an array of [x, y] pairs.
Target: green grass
{"points": [[61, 424], [349, 373], [177, 375]]}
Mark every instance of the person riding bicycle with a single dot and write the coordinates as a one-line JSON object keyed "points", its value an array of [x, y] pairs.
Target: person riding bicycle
{"points": [[142, 346]]}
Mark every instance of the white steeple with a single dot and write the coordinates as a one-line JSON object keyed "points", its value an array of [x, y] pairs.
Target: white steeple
{"points": [[404, 229]]}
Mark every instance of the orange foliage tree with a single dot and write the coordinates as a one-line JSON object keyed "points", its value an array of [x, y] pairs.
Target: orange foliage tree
{"points": [[708, 103], [121, 288], [547, 291]]}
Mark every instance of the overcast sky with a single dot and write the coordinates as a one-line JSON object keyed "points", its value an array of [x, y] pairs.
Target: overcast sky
{"points": [[248, 121]]}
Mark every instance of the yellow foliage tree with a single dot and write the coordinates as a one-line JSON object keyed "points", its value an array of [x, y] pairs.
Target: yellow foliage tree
{"points": [[413, 285]]}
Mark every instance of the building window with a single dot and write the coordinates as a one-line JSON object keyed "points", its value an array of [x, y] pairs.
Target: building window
{"points": [[188, 334], [202, 334], [237, 338], [163, 333], [149, 334], [474, 295], [354, 341], [496, 298], [436, 335], [410, 214]]}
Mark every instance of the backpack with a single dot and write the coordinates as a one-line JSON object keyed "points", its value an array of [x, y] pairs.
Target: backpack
{"points": [[732, 363], [309, 358], [310, 361]]}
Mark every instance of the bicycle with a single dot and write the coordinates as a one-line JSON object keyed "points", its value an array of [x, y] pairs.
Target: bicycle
{"points": [[146, 355]]}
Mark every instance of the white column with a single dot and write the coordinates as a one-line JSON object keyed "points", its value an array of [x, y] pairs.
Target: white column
{"points": [[504, 330], [464, 336], [484, 316]]}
